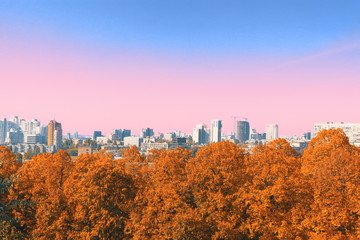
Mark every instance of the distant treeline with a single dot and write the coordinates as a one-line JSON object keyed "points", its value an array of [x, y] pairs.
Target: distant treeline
{"points": [[220, 193]]}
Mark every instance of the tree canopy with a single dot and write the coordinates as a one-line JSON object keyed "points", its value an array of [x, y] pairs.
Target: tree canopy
{"points": [[221, 192]]}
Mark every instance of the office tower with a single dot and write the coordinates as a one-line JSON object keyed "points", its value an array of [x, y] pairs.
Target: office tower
{"points": [[3, 130], [148, 132], [215, 133], [96, 135], [272, 131], [242, 131], [76, 135], [14, 136], [44, 133], [119, 134], [201, 134], [54, 134], [116, 135], [125, 133]]}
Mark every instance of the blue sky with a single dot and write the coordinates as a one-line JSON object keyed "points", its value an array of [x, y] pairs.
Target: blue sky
{"points": [[218, 26], [290, 62]]}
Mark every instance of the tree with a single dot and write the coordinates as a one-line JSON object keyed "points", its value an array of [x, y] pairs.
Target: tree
{"points": [[29, 154], [216, 193], [160, 202], [18, 156], [9, 227], [278, 195], [332, 165], [9, 165], [39, 192], [335, 212], [321, 147], [98, 192]]}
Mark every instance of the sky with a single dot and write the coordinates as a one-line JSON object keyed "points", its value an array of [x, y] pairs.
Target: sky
{"points": [[104, 65]]}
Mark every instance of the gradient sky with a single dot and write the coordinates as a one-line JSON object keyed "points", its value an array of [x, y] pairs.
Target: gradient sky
{"points": [[101, 65]]}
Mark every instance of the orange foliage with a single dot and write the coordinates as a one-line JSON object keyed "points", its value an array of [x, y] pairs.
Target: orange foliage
{"points": [[333, 167], [39, 191], [160, 201], [9, 166], [279, 195], [322, 146], [218, 182], [98, 193], [221, 193]]}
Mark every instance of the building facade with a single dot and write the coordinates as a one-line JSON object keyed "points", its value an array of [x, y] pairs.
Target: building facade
{"points": [[54, 134], [272, 131], [96, 135], [201, 134], [215, 133], [242, 131]]}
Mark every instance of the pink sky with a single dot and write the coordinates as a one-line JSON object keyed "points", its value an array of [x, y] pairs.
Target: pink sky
{"points": [[89, 88]]}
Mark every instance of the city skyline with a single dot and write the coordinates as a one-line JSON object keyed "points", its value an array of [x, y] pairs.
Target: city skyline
{"points": [[166, 66], [149, 130]]}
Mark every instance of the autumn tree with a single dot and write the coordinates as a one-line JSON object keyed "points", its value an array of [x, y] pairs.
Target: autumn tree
{"points": [[160, 203], [322, 146], [333, 166], [216, 193], [9, 226], [9, 165], [279, 195], [39, 192], [99, 192]]}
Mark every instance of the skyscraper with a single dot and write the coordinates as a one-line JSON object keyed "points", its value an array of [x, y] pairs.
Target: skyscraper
{"points": [[272, 131], [3, 130], [147, 132], [242, 131], [96, 135], [215, 135], [54, 134], [201, 134]]}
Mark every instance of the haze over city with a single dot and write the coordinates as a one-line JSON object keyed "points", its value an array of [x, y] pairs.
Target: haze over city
{"points": [[95, 65]]}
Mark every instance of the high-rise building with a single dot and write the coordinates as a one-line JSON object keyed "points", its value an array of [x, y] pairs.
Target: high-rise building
{"points": [[54, 134], [76, 135], [3, 130], [272, 131], [201, 134], [14, 136], [126, 133], [215, 133], [148, 132], [242, 131], [119, 134], [96, 135]]}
